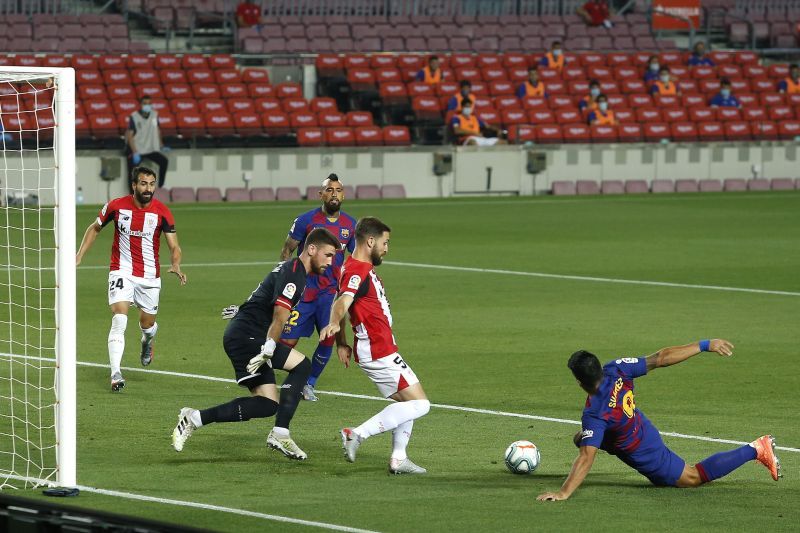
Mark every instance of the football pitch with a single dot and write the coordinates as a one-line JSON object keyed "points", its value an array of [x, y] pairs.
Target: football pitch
{"points": [[490, 296]]}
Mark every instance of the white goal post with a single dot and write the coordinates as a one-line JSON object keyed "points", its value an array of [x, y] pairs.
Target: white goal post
{"points": [[37, 277]]}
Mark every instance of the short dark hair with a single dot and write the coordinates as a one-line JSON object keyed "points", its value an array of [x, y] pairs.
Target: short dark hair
{"points": [[585, 367], [138, 171], [603, 96], [432, 58], [370, 227], [724, 81], [145, 97], [321, 236], [466, 101], [663, 69], [332, 177], [555, 43], [594, 82], [533, 68], [793, 65], [465, 83]]}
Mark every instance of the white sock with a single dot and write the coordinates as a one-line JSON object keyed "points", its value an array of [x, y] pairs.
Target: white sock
{"points": [[195, 418], [400, 438], [116, 341], [392, 416], [281, 433], [150, 332]]}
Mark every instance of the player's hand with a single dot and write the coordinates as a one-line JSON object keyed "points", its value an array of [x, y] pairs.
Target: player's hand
{"points": [[264, 357], [344, 352], [721, 346], [551, 497], [329, 331], [229, 312], [177, 272], [136, 158]]}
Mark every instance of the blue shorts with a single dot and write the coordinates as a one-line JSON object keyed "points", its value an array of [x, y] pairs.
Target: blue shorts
{"points": [[659, 464], [306, 315]]}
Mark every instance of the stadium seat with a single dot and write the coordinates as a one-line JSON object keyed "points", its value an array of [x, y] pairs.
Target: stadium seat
{"points": [[662, 186], [393, 191], [636, 187], [310, 137], [758, 184], [737, 131], [735, 184], [237, 105], [275, 122], [612, 187], [576, 133], [190, 124], [369, 136], [102, 125], [686, 185], [288, 194], [219, 124], [340, 136], [710, 131], [368, 192], [789, 129], [182, 195], [162, 194], [262, 194], [358, 118], [396, 136], [710, 185], [549, 134], [587, 187], [782, 184], [247, 123], [563, 188], [303, 119], [656, 131], [604, 134], [208, 194], [683, 132], [211, 105]]}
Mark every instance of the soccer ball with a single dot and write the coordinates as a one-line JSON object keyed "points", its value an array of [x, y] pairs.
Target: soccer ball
{"points": [[522, 457]]}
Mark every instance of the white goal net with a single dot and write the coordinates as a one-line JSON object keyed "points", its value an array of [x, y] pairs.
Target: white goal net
{"points": [[37, 277]]}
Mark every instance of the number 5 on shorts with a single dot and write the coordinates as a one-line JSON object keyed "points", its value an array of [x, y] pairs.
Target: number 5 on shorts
{"points": [[399, 361]]}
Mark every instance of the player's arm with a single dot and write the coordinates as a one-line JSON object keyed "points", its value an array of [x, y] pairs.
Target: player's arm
{"points": [[580, 468], [175, 256], [336, 327], [89, 236], [677, 354], [288, 248], [280, 314], [129, 133]]}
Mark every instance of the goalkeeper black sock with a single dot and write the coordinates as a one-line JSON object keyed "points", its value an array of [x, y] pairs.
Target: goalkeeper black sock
{"points": [[239, 410], [291, 390]]}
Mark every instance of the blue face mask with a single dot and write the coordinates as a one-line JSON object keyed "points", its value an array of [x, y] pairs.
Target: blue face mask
{"points": [[603, 106], [594, 91], [146, 108], [725, 93], [654, 67], [557, 52]]}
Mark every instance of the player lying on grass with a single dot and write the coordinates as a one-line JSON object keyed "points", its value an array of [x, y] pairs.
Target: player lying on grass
{"points": [[612, 422], [249, 342]]}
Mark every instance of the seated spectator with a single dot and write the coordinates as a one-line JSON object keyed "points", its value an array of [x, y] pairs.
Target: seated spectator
{"points": [[651, 74], [699, 57], [602, 116], [248, 14], [554, 58], [724, 97], [469, 129], [663, 85], [532, 87], [791, 84], [431, 74], [595, 13], [590, 101], [464, 91]]}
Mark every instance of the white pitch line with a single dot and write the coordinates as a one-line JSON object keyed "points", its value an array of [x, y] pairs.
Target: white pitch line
{"points": [[195, 505], [510, 273], [438, 405]]}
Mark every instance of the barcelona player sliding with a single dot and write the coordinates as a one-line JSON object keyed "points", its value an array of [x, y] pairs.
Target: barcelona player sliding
{"points": [[612, 422]]}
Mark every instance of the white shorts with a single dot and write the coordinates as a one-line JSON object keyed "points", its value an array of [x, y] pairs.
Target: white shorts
{"points": [[482, 141], [390, 374], [141, 292]]}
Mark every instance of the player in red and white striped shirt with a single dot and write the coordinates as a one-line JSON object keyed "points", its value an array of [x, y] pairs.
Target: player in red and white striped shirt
{"points": [[139, 221], [361, 293]]}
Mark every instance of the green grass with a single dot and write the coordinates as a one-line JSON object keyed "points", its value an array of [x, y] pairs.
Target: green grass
{"points": [[475, 339]]}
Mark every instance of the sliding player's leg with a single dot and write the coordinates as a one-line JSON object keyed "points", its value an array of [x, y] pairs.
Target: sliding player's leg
{"points": [[298, 367], [723, 463], [262, 402]]}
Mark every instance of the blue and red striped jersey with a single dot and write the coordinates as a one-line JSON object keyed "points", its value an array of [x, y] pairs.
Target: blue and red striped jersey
{"points": [[344, 228], [610, 419]]}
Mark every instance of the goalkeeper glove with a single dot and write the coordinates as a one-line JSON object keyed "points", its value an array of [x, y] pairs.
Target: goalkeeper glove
{"points": [[229, 312], [264, 357]]}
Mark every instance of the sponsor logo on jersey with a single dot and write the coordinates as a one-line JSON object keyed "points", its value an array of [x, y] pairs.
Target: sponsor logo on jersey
{"points": [[587, 433], [631, 360], [617, 387], [628, 405], [103, 211], [354, 283], [289, 290]]}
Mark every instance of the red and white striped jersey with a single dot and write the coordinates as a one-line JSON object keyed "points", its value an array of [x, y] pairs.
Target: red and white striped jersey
{"points": [[370, 313], [137, 236]]}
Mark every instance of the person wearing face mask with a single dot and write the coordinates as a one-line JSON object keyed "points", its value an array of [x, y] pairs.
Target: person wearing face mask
{"points": [[432, 74], [791, 84], [699, 57], [554, 58], [468, 128], [464, 91], [602, 116], [532, 87], [664, 85], [724, 97], [590, 102], [143, 139], [651, 74]]}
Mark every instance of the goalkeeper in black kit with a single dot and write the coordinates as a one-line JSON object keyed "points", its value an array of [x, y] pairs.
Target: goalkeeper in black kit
{"points": [[250, 343]]}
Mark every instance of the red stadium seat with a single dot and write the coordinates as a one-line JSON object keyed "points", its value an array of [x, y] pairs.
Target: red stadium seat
{"points": [[102, 125], [91, 107], [656, 131], [541, 116], [501, 88], [726, 114], [190, 124], [359, 118], [87, 92], [647, 115], [702, 114], [340, 137], [666, 100], [163, 61], [219, 124], [576, 133], [118, 92], [153, 90], [737, 131], [205, 90], [619, 60], [266, 105], [572, 73], [303, 119], [710, 131], [88, 77], [211, 105], [396, 135], [781, 112], [380, 61], [260, 90], [289, 90], [568, 116], [762, 85], [627, 72], [487, 114], [387, 75], [630, 132], [469, 73], [200, 76], [513, 117], [275, 122], [356, 61], [416, 89], [506, 102], [683, 132], [310, 137], [329, 65], [578, 87], [240, 105], [789, 129], [223, 76], [323, 103], [221, 61], [361, 79], [703, 73], [518, 74], [124, 107], [514, 61], [625, 116], [369, 136], [233, 90], [194, 61], [549, 134], [332, 119], [556, 87], [535, 102], [600, 73], [165, 76], [771, 100], [495, 73], [84, 62], [105, 63], [117, 77], [255, 75], [178, 91], [559, 101], [604, 134], [693, 100], [393, 93], [426, 108], [522, 133], [675, 114], [640, 100], [180, 105], [754, 113]]}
